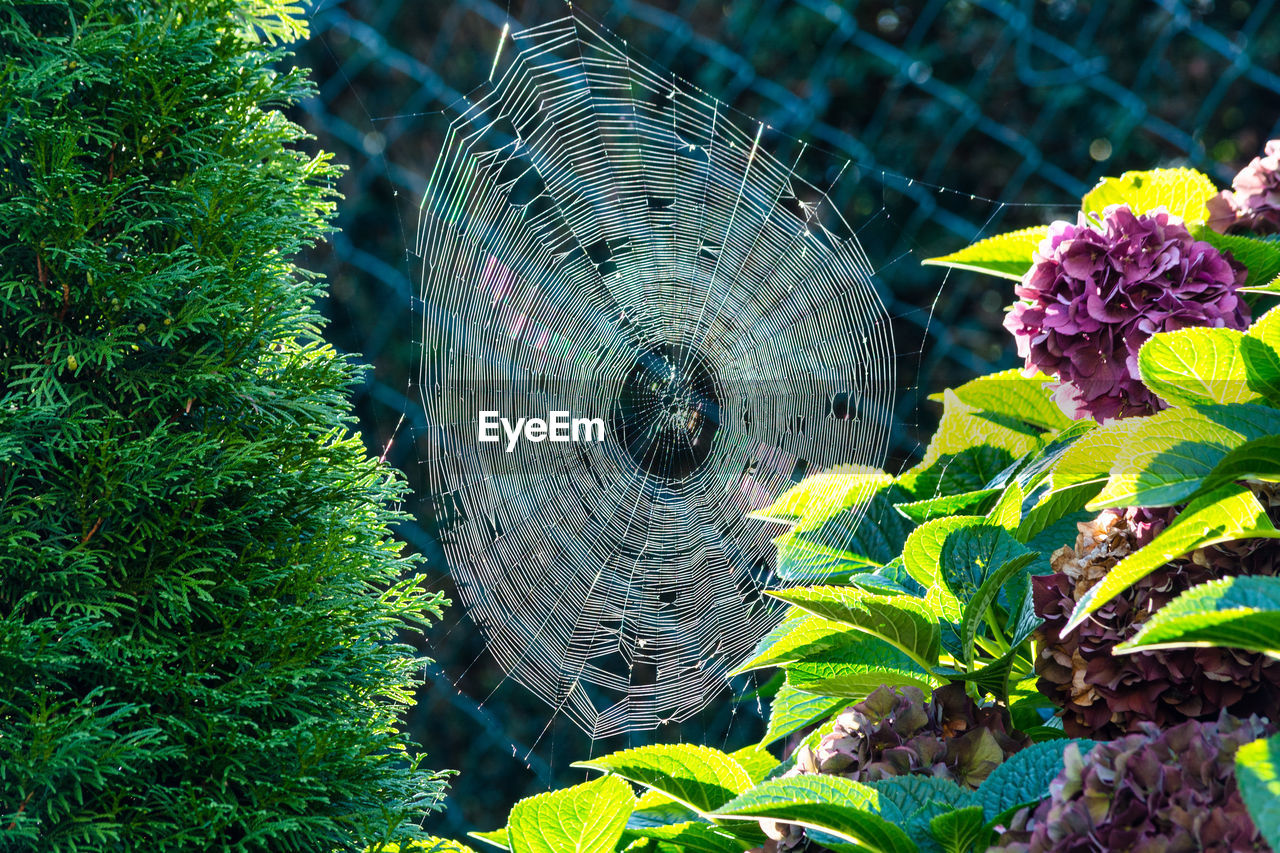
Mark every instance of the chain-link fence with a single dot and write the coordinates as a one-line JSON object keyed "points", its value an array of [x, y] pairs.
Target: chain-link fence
{"points": [[951, 118]]}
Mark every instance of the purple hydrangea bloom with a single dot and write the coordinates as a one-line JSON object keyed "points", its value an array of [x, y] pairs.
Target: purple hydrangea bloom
{"points": [[1168, 790], [1099, 289], [1253, 203]]}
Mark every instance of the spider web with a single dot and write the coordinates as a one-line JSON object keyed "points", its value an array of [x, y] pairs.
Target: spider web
{"points": [[606, 240]]}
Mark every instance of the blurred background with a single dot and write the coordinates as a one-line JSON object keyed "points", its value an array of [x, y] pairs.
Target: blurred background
{"points": [[958, 118]]}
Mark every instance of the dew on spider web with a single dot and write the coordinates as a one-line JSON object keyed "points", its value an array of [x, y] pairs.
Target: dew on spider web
{"points": [[608, 242]]}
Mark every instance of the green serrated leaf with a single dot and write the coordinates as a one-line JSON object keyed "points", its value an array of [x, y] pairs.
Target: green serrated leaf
{"points": [[791, 710], [1015, 395], [793, 639], [826, 493], [1182, 192], [1088, 461], [890, 579], [1235, 612], [692, 837], [1257, 461], [1024, 777], [1260, 257], [757, 761], [922, 556], [903, 622], [839, 541], [1258, 774], [831, 804], [912, 802], [975, 611], [966, 452], [1261, 352], [699, 777], [970, 503], [1223, 515], [1052, 508], [587, 818], [960, 830], [1005, 255], [1007, 512], [971, 554], [1196, 365], [654, 808], [432, 844], [496, 837], [855, 671], [1164, 458]]}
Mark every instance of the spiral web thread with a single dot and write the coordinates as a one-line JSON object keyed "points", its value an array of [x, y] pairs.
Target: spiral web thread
{"points": [[603, 239]]}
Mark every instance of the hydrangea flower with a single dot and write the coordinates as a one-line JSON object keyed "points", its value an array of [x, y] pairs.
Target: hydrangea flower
{"points": [[1099, 289], [1105, 695], [897, 732], [1253, 202], [1170, 790]]}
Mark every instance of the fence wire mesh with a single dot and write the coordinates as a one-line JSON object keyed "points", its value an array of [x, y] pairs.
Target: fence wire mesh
{"points": [[959, 118]]}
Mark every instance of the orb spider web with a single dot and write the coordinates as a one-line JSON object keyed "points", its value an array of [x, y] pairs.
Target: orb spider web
{"points": [[605, 240]]}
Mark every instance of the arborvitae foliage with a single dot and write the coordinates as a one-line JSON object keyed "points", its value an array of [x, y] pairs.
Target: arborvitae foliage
{"points": [[199, 592]]}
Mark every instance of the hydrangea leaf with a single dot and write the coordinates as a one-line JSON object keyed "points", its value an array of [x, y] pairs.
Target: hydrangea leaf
{"points": [[852, 533], [855, 671], [1258, 774], [1033, 471], [928, 509], [825, 493], [1196, 365], [791, 710], [1260, 257], [922, 556], [699, 777], [1005, 255], [692, 837], [965, 470], [1016, 396], [756, 760], [1050, 510], [960, 830], [912, 802], [967, 451], [793, 639], [1088, 460], [587, 818], [1261, 352], [1007, 512], [972, 554], [1225, 514], [655, 808], [976, 609], [496, 837], [901, 621], [891, 579], [1257, 460], [1183, 192], [832, 804], [1164, 459], [1024, 777], [433, 844], [1236, 612]]}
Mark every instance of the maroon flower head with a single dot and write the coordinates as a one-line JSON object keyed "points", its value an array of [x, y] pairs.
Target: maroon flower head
{"points": [[1166, 790], [1253, 203], [1100, 288]]}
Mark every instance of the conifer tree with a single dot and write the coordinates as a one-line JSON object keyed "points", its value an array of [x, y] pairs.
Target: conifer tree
{"points": [[200, 595]]}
